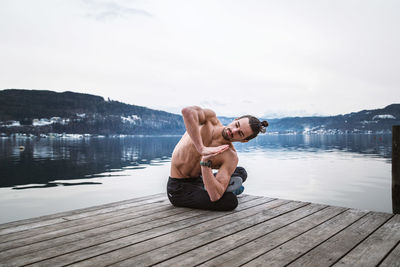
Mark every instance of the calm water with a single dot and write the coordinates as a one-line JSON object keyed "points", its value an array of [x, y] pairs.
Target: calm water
{"points": [[57, 174]]}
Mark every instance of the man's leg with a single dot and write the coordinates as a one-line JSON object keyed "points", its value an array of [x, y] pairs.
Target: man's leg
{"points": [[190, 194], [199, 199], [241, 172]]}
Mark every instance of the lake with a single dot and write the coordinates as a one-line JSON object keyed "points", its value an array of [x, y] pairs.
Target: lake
{"points": [[40, 176]]}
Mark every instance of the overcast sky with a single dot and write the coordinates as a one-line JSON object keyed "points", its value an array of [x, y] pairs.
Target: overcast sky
{"points": [[266, 58]]}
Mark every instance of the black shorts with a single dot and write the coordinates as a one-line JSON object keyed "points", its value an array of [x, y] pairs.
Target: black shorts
{"points": [[190, 193]]}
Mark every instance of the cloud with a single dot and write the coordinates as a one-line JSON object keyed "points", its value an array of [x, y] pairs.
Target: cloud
{"points": [[106, 10]]}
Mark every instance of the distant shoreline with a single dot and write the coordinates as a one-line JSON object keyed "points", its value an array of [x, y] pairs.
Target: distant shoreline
{"points": [[86, 136]]}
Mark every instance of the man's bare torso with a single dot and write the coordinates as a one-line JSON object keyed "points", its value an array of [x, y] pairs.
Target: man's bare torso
{"points": [[185, 158]]}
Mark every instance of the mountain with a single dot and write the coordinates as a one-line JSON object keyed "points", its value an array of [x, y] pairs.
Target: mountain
{"points": [[41, 111], [365, 121]]}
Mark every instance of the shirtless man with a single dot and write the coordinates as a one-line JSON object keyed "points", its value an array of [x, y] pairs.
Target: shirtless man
{"points": [[207, 145]]}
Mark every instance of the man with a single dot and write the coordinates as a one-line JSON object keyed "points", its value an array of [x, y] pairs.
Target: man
{"points": [[207, 145]]}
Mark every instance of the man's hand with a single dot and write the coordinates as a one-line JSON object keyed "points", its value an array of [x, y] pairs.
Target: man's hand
{"points": [[209, 152]]}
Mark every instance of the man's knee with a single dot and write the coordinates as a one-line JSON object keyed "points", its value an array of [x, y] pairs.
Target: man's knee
{"points": [[230, 202], [241, 172]]}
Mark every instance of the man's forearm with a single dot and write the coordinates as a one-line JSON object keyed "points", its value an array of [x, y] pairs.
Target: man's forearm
{"points": [[214, 188], [191, 121], [193, 117]]}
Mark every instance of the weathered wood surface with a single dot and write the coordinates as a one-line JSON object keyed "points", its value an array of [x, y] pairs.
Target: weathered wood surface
{"points": [[150, 231]]}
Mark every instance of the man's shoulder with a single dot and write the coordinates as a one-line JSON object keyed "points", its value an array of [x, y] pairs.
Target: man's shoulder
{"points": [[229, 157], [211, 116], [232, 154], [228, 161]]}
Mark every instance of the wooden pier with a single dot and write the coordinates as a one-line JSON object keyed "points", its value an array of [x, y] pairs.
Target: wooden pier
{"points": [[150, 231]]}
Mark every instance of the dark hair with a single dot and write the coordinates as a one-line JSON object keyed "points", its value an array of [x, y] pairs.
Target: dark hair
{"points": [[256, 125]]}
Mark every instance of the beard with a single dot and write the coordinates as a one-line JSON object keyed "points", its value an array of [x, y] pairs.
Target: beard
{"points": [[226, 134]]}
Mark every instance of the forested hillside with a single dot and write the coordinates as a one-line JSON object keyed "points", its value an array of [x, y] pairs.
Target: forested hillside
{"points": [[69, 112]]}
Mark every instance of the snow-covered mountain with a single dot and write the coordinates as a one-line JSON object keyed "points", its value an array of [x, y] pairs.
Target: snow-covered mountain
{"points": [[365, 121], [40, 112]]}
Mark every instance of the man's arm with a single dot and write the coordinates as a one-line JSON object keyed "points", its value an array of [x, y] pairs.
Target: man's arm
{"points": [[195, 116], [216, 186]]}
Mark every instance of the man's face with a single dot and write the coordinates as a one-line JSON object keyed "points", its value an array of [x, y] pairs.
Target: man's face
{"points": [[238, 130]]}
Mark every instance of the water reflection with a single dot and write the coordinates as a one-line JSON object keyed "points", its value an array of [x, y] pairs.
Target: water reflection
{"points": [[368, 145], [51, 184], [49, 159], [344, 170], [45, 160]]}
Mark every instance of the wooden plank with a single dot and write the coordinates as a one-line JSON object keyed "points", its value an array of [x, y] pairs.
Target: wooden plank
{"points": [[88, 222], [77, 211], [175, 236], [253, 249], [75, 216], [154, 238], [84, 231], [393, 259], [261, 231], [139, 232], [71, 243], [334, 248], [157, 255], [289, 251], [100, 219], [147, 204], [223, 245], [373, 249], [80, 232]]}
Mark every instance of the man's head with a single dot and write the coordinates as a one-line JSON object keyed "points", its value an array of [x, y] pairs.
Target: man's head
{"points": [[244, 129]]}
